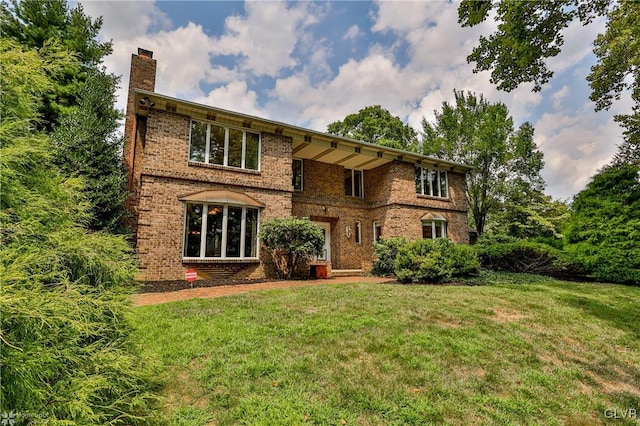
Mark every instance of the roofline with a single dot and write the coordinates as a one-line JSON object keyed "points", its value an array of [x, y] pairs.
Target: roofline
{"points": [[303, 130]]}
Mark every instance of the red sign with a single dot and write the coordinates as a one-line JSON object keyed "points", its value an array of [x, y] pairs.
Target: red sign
{"points": [[191, 275]]}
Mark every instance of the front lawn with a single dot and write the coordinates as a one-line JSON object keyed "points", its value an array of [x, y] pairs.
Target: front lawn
{"points": [[525, 350]]}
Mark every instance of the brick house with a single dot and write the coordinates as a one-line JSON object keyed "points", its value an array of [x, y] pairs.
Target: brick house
{"points": [[202, 179]]}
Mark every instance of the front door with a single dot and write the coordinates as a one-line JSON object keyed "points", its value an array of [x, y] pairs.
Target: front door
{"points": [[325, 256]]}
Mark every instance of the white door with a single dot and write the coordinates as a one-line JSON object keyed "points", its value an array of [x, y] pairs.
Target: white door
{"points": [[325, 256]]}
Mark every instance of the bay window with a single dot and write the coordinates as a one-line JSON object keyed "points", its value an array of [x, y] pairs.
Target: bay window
{"points": [[220, 231], [431, 182], [213, 144], [432, 229]]}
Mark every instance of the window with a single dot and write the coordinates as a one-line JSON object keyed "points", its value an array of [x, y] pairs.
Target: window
{"points": [[297, 174], [431, 182], [432, 229], [353, 183], [377, 231], [358, 235], [220, 231], [213, 144]]}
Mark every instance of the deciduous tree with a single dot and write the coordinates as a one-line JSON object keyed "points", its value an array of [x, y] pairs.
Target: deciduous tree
{"points": [[480, 134], [375, 124]]}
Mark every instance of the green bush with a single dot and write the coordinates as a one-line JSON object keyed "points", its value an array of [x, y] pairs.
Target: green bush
{"points": [[435, 261], [603, 233], [503, 253], [291, 240], [386, 251]]}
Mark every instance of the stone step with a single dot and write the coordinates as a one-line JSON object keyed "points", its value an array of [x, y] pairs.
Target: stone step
{"points": [[346, 273]]}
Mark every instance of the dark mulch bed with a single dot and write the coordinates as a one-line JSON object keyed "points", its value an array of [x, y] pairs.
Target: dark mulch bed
{"points": [[175, 285]]}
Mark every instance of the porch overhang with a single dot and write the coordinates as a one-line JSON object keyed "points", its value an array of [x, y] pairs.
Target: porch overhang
{"points": [[221, 197]]}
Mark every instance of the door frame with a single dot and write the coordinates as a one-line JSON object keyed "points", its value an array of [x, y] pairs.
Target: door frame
{"points": [[326, 226]]}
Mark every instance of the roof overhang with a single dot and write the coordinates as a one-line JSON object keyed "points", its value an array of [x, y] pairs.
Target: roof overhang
{"points": [[220, 197], [307, 144], [432, 217]]}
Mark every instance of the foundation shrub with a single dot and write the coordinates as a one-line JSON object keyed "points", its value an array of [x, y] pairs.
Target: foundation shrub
{"points": [[386, 251], [435, 261]]}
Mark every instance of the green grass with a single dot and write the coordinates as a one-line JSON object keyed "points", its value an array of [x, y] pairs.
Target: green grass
{"points": [[524, 350]]}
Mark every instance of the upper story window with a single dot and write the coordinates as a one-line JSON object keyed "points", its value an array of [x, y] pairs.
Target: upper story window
{"points": [[353, 183], [297, 177], [431, 182], [226, 146]]}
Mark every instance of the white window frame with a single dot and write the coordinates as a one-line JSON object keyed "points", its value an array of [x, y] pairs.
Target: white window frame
{"points": [[442, 224], [225, 162], [377, 235], [427, 183], [353, 183], [223, 244], [358, 235], [301, 173]]}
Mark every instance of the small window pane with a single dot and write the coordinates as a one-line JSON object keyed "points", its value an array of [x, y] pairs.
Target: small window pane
{"points": [[358, 233], [253, 151], [427, 230], [439, 227], [234, 223], [443, 184], [235, 148], [214, 232], [435, 186], [357, 183], [297, 175], [251, 234], [198, 145], [193, 230], [216, 145], [377, 231], [419, 181], [348, 182]]}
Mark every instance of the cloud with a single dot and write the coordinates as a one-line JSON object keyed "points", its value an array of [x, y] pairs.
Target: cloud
{"points": [[235, 96], [352, 33], [559, 96], [266, 36]]}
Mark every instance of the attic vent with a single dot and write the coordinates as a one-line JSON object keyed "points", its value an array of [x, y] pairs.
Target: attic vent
{"points": [[307, 138], [246, 124], [358, 150], [211, 116], [400, 157], [379, 154], [334, 144], [171, 107], [278, 131]]}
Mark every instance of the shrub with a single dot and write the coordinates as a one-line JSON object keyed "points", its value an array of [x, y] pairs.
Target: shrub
{"points": [[500, 253], [434, 261], [291, 240], [386, 251]]}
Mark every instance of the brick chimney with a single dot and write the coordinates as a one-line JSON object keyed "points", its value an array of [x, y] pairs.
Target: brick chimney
{"points": [[142, 76]]}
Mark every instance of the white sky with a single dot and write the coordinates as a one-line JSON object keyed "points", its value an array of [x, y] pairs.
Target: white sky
{"points": [[309, 64]]}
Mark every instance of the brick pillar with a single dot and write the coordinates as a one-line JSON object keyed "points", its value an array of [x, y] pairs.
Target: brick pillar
{"points": [[142, 76]]}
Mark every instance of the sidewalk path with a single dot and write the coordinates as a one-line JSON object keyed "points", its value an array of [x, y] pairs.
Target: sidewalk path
{"points": [[144, 299]]}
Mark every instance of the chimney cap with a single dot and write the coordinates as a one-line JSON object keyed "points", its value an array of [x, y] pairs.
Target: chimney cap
{"points": [[145, 52]]}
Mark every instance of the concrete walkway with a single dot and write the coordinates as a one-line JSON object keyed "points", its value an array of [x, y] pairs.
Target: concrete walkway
{"points": [[228, 290]]}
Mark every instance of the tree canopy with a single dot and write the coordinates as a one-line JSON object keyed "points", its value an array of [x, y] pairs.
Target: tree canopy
{"points": [[375, 124], [34, 23], [482, 135], [531, 32]]}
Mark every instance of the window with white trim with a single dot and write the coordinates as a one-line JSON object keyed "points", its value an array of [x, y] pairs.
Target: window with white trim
{"points": [[431, 182], [377, 231], [297, 178], [432, 229], [358, 235], [213, 144], [220, 231], [353, 183]]}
